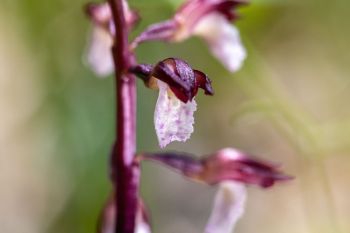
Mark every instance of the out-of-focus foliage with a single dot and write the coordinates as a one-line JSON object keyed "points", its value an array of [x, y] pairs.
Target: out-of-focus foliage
{"points": [[289, 103]]}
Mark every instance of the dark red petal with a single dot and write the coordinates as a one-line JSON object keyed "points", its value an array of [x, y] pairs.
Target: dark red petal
{"points": [[165, 72], [194, 79], [202, 81], [186, 73], [227, 8], [178, 75]]}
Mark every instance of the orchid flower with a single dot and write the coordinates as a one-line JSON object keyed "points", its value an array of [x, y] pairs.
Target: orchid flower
{"points": [[178, 84], [99, 56], [208, 19], [229, 169]]}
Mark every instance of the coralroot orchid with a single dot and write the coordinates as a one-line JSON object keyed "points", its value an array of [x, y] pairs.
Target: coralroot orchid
{"points": [[208, 19], [178, 84], [228, 168]]}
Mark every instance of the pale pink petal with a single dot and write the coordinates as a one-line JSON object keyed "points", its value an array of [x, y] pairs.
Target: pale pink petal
{"points": [[228, 207], [229, 154], [173, 119], [142, 225], [99, 55], [101, 12], [223, 40], [131, 16], [106, 222]]}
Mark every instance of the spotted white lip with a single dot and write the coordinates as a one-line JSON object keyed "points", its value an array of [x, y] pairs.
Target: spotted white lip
{"points": [[173, 119]]}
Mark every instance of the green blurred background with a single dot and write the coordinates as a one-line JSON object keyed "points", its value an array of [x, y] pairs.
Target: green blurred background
{"points": [[288, 104]]}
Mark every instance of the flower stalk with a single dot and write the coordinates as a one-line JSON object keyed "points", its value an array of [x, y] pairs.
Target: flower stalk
{"points": [[124, 171], [178, 84]]}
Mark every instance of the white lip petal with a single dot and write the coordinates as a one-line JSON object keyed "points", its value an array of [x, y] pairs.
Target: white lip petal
{"points": [[99, 55], [223, 40], [228, 207], [107, 219], [142, 226], [173, 119]]}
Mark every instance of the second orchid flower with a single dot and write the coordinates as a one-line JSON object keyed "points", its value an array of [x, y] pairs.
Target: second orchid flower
{"points": [[208, 19]]}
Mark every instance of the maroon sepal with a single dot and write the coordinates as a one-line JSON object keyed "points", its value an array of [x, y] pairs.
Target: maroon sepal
{"points": [[228, 8], [203, 82], [159, 31], [142, 71], [183, 163], [167, 72], [195, 10], [222, 166], [178, 74]]}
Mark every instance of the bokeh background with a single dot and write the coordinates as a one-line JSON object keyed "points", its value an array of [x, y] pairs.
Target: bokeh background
{"points": [[289, 103]]}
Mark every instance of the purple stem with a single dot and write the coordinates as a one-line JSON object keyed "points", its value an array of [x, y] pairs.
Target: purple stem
{"points": [[124, 171]]}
